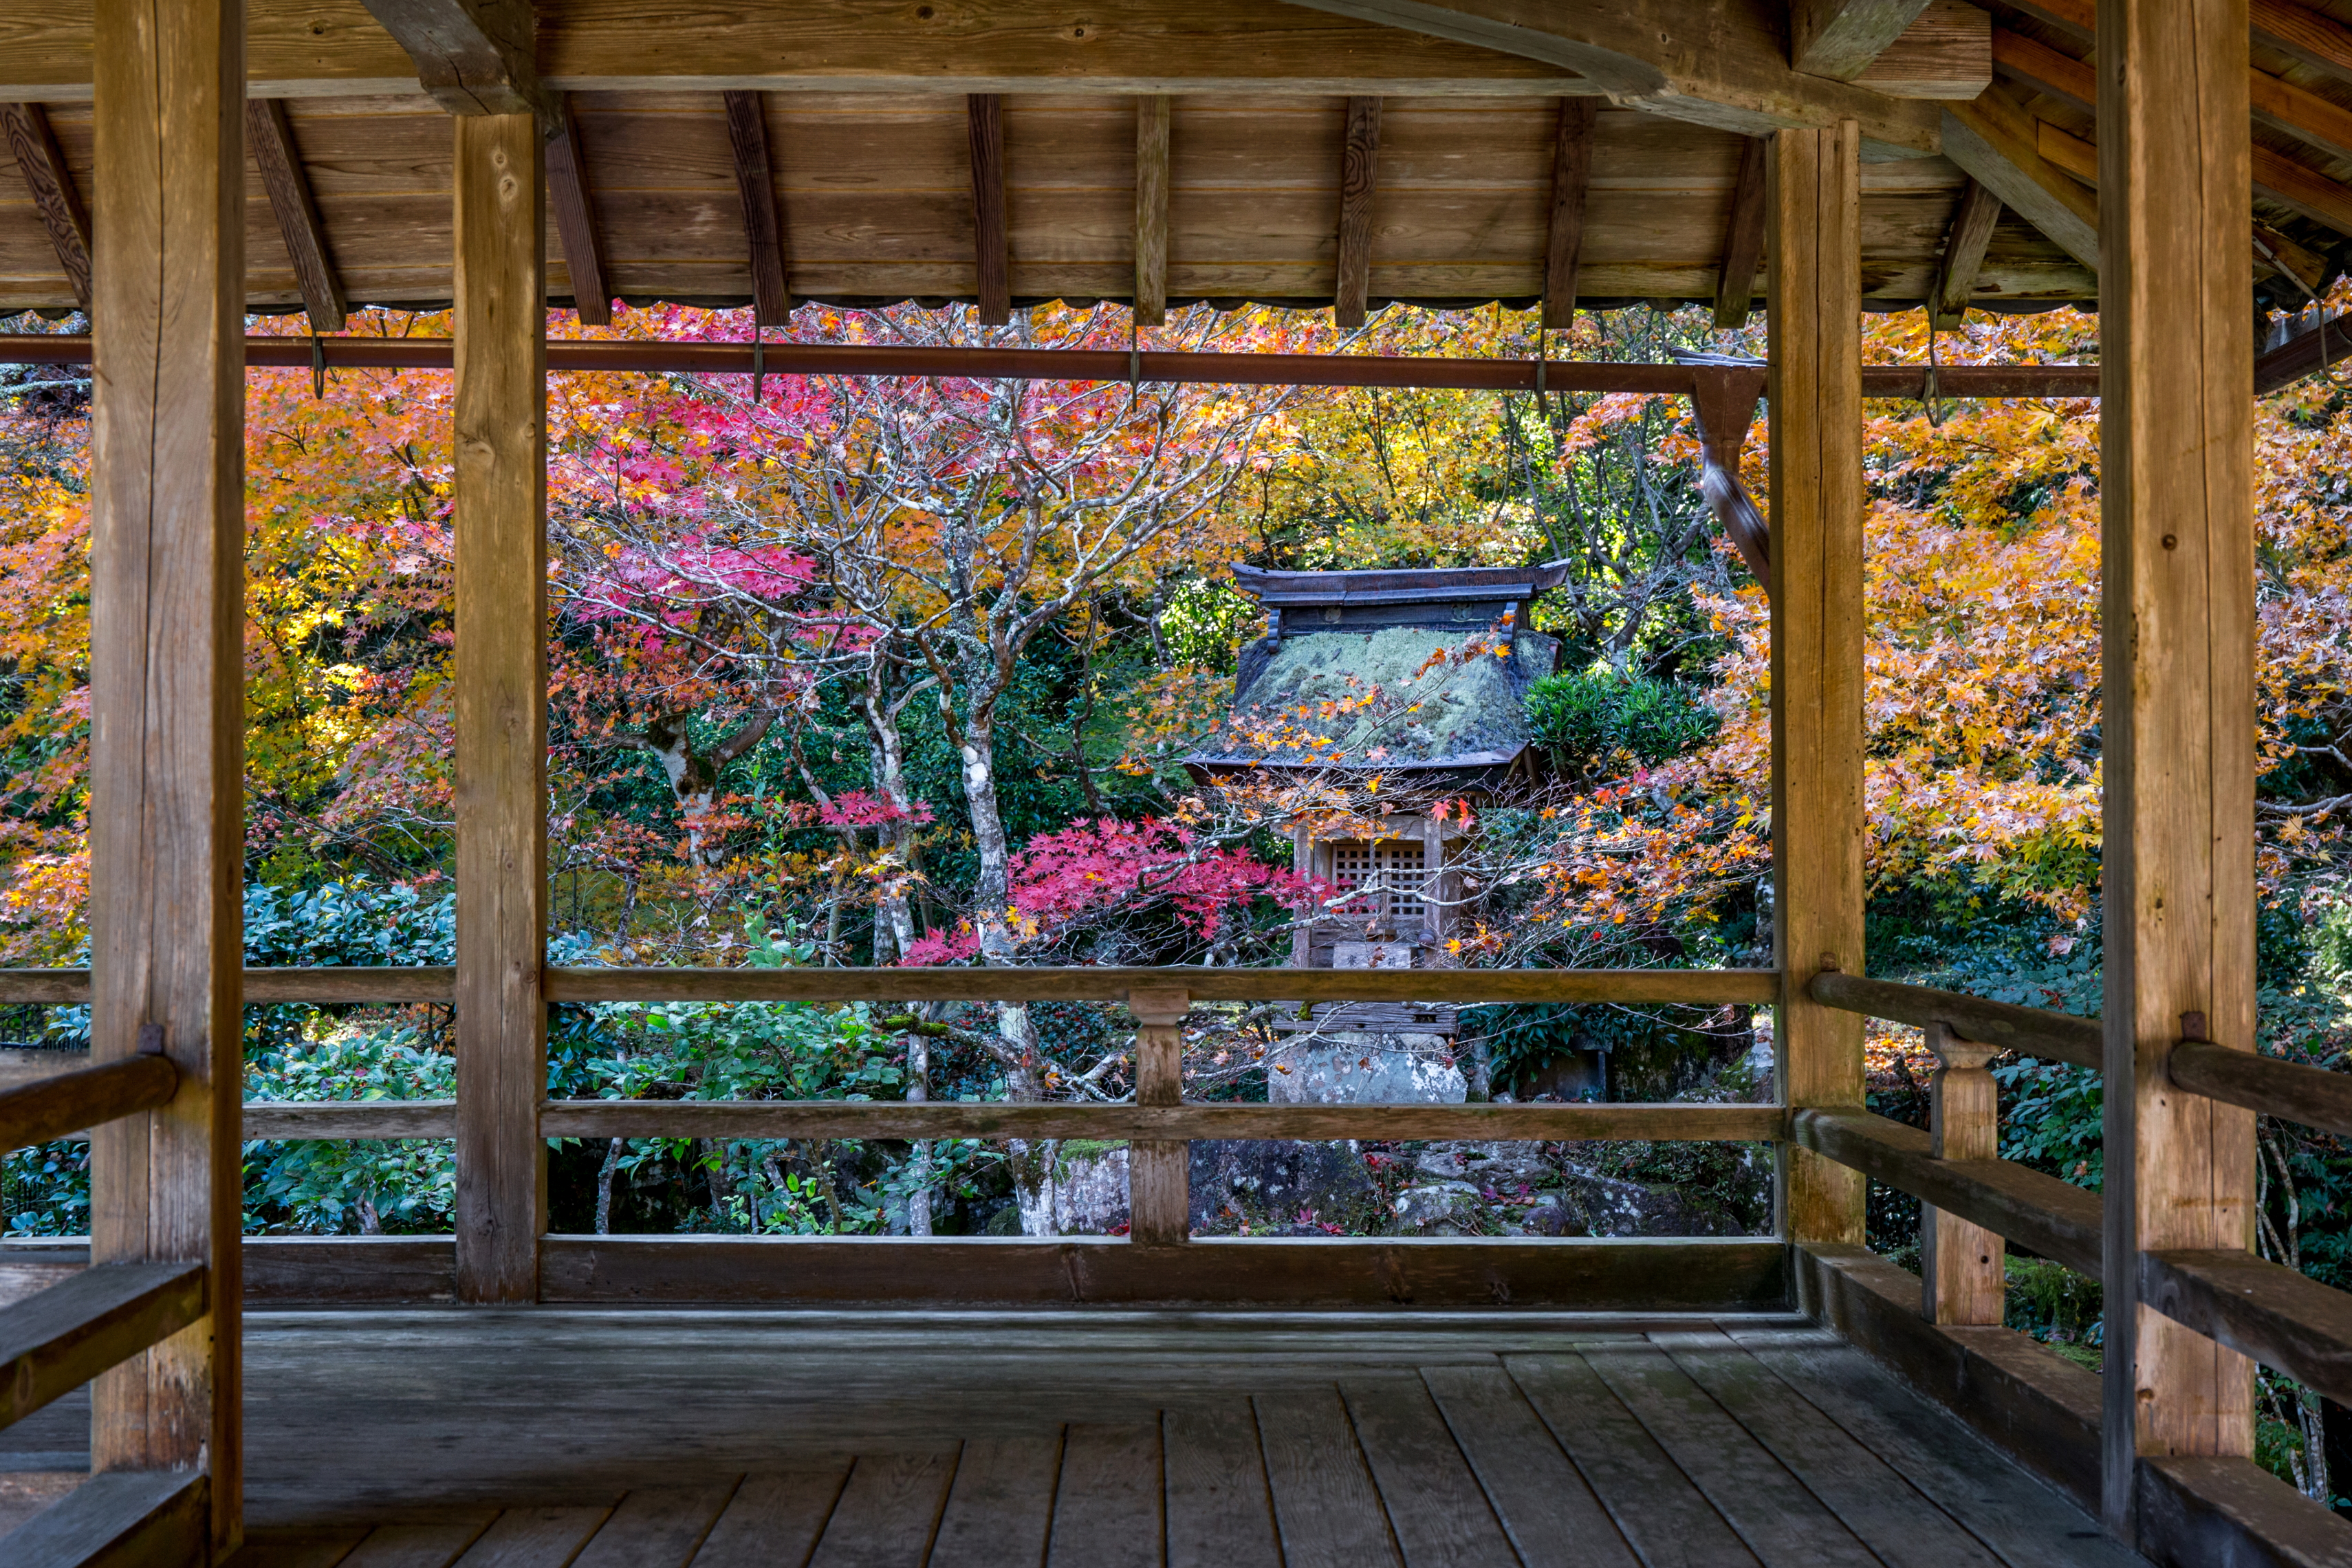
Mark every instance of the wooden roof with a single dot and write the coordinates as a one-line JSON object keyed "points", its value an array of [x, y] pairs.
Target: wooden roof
{"points": [[869, 139]]}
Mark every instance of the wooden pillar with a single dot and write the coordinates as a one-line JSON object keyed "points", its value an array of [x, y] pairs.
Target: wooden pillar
{"points": [[2176, 517], [167, 804], [502, 810], [1159, 1174], [1815, 202], [1962, 1276]]}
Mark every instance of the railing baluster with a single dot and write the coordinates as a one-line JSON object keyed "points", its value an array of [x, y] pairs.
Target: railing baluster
{"points": [[1961, 1268], [1159, 1184]]}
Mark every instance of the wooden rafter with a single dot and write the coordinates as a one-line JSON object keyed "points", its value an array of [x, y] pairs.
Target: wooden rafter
{"points": [[2320, 42], [990, 237], [763, 224], [1841, 38], [1571, 177], [1994, 142], [1152, 209], [271, 139], [34, 147], [2276, 176], [1359, 156], [473, 56], [1973, 219], [1945, 53], [575, 222], [1743, 237]]}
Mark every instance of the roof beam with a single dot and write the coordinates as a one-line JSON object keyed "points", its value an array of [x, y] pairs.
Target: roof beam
{"points": [[271, 141], [1973, 220], [1722, 63], [1359, 156], [575, 222], [1152, 209], [2320, 42], [1571, 178], [34, 148], [2276, 176], [1994, 142], [1843, 39], [990, 240], [473, 57], [1947, 53], [1743, 237], [763, 224]]}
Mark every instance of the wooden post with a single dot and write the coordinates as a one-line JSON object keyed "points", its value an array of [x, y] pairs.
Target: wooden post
{"points": [[502, 810], [2177, 517], [167, 717], [1159, 1174], [1962, 1274], [1152, 209], [1815, 201]]}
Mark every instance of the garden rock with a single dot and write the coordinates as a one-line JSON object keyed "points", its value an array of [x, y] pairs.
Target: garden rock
{"points": [[1439, 1208], [1273, 1184], [1348, 1068]]}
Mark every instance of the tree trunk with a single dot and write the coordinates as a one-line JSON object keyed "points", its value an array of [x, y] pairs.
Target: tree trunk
{"points": [[990, 893]]}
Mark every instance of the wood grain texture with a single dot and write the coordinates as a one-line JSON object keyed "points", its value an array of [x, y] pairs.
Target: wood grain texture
{"points": [[1151, 169], [992, 252], [656, 1527], [51, 185], [1552, 1517], [1652, 1501], [1159, 1170], [2270, 1313], [2198, 1509], [1360, 157], [1962, 1271], [764, 222], [2030, 1031], [501, 502], [1592, 1276], [270, 138], [2178, 791], [51, 1108], [123, 1519], [1437, 1508], [1993, 139], [2289, 1090], [534, 1538], [572, 200], [53, 1342], [166, 808], [1220, 1511], [2312, 37], [1743, 237], [1001, 1505], [1944, 53], [2057, 1220], [1841, 38], [1974, 217], [321, 1119], [1815, 390], [1571, 179], [418, 1545], [773, 1518], [475, 56], [887, 1512], [1109, 1510], [1325, 1503]]}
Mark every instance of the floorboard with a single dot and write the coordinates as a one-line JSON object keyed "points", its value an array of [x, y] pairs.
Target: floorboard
{"points": [[773, 1520], [1441, 1516], [1001, 1505], [887, 1512], [534, 1538], [1108, 1508], [1325, 1505], [657, 1527], [1220, 1513], [296, 1548], [416, 1545], [1554, 1519]]}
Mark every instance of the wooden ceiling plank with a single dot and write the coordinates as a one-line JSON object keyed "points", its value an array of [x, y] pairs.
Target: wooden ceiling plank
{"points": [[2320, 42], [1359, 154], [271, 139], [1841, 38], [992, 243], [575, 222], [763, 224], [50, 182], [1946, 53], [1743, 237], [473, 57], [1571, 179], [1152, 209], [1974, 217], [1994, 142]]}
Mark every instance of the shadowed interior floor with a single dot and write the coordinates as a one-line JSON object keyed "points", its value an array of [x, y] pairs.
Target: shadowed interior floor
{"points": [[541, 1439]]}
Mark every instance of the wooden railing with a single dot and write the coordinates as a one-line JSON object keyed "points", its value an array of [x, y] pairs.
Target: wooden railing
{"points": [[57, 1340]]}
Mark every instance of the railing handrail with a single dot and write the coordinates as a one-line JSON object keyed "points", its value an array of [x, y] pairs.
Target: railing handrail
{"points": [[52, 1107], [2035, 1031]]}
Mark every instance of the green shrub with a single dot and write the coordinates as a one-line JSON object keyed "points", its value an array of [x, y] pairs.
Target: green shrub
{"points": [[1596, 723]]}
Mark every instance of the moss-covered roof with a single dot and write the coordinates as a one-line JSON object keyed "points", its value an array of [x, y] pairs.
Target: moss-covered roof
{"points": [[1403, 697]]}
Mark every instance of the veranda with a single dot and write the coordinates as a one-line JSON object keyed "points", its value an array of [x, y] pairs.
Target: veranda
{"points": [[1150, 1398]]}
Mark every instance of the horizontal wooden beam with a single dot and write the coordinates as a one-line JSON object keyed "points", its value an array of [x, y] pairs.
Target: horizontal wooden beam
{"points": [[1152, 367], [1944, 53], [1660, 1276], [334, 49], [2327, 342], [719, 1119], [328, 1121], [74, 1102], [473, 57], [2282, 1318], [120, 1519], [2196, 1510], [2058, 1221], [2032, 1031], [2289, 1090], [1841, 38], [53, 1342], [1467, 987]]}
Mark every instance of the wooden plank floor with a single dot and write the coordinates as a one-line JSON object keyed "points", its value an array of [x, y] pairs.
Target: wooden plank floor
{"points": [[741, 1440]]}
